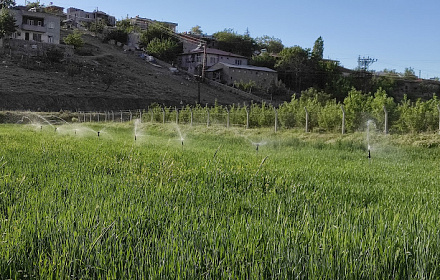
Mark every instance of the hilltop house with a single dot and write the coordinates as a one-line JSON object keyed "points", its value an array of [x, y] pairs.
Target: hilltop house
{"points": [[79, 18], [229, 74], [36, 26], [144, 23], [192, 61]]}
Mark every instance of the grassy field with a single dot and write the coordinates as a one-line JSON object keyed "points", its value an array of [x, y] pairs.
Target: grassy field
{"points": [[195, 202]]}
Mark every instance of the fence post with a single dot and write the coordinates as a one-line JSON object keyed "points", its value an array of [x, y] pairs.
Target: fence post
{"points": [[163, 115], [247, 117], [131, 115], [276, 119], [386, 120], [121, 116], [152, 115], [105, 116], [227, 117], [307, 119], [84, 116], [191, 111], [90, 115], [98, 116], [343, 119], [207, 122]]}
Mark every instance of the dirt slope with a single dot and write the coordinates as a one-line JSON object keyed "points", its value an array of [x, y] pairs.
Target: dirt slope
{"points": [[106, 78]]}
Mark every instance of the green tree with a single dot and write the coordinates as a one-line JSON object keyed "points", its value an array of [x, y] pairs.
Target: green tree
{"points": [[164, 49], [230, 41], [6, 4], [74, 39], [271, 44], [295, 68], [318, 49], [97, 26], [264, 60], [409, 74], [126, 26], [197, 30], [7, 23], [356, 106]]}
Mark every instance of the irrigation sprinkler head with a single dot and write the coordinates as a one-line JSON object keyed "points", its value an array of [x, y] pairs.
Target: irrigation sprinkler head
{"points": [[99, 133], [56, 129], [75, 131], [369, 154], [135, 138], [41, 127], [258, 145]]}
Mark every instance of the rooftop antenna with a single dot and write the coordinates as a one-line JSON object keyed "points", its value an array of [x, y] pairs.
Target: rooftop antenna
{"points": [[365, 62]]}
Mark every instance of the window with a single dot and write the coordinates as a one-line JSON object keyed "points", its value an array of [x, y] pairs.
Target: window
{"points": [[30, 21], [26, 36], [198, 58], [51, 25], [50, 39], [237, 62], [39, 23], [36, 37], [212, 60]]}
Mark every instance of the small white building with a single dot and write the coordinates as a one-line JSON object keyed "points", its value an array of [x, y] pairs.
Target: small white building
{"points": [[36, 26]]}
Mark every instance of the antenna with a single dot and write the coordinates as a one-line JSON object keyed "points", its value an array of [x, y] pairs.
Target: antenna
{"points": [[365, 62]]}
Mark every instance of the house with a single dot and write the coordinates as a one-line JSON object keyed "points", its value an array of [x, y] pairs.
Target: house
{"points": [[230, 73], [33, 25], [145, 23], [193, 61], [80, 17]]}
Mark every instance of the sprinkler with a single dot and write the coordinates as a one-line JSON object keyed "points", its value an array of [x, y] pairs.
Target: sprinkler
{"points": [[75, 131], [135, 138], [41, 127], [98, 133], [258, 145], [56, 129]]}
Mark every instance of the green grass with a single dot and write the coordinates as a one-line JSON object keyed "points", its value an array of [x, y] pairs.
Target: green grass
{"points": [[309, 206]]}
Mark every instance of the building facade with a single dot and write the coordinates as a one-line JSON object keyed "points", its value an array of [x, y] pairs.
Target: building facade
{"points": [[193, 60], [80, 17], [229, 74], [36, 26]]}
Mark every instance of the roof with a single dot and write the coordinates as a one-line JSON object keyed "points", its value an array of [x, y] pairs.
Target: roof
{"points": [[214, 52], [244, 67]]}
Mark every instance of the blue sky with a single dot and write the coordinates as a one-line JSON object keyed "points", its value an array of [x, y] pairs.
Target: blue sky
{"points": [[398, 33]]}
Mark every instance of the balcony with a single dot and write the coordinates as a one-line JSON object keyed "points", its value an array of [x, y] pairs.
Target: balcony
{"points": [[36, 28]]}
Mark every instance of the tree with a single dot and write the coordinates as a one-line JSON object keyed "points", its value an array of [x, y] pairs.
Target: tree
{"points": [[7, 23], [126, 26], [197, 30], [271, 44], [6, 4], [318, 49], [97, 27], [164, 49], [294, 67], [74, 39], [264, 60], [410, 74], [230, 41]]}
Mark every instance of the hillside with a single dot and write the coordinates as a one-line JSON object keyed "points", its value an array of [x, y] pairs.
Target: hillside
{"points": [[101, 77]]}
